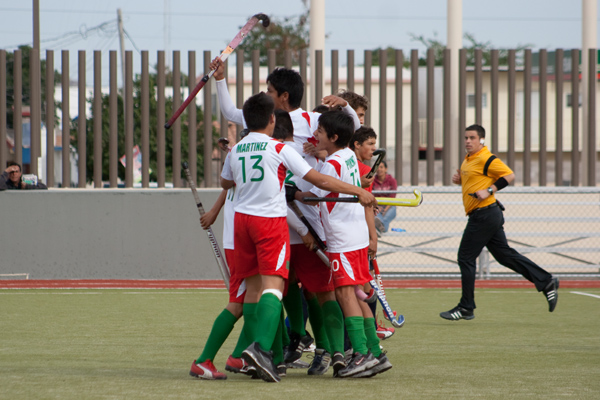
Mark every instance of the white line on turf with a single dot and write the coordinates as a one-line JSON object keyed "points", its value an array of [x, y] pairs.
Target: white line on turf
{"points": [[587, 294]]}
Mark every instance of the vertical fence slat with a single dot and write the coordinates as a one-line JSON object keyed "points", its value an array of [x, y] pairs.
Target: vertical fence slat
{"points": [[590, 146], [3, 130], [462, 102], [35, 109], [367, 84], [478, 87], [575, 154], [191, 109], [224, 123], [287, 59], [176, 150], [383, 98], [512, 84], [446, 168], [97, 123], [239, 86], [527, 119], [145, 120], [303, 75], [494, 103], [160, 120], [414, 118], [271, 60], [543, 156], [18, 104], [113, 157], [255, 70], [398, 112], [350, 78], [66, 122], [335, 72], [558, 154], [208, 117], [128, 119], [81, 120], [430, 111], [318, 86]]}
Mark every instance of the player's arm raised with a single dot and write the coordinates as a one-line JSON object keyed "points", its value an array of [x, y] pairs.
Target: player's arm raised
{"points": [[332, 184]]}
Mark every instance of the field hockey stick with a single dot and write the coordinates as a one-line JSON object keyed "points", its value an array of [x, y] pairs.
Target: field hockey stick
{"points": [[380, 281], [384, 201], [321, 247], [380, 153], [224, 55], [211, 236], [397, 321]]}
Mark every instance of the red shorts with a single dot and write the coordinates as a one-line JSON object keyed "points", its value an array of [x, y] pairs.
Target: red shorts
{"points": [[237, 286], [350, 268], [314, 275], [262, 246]]}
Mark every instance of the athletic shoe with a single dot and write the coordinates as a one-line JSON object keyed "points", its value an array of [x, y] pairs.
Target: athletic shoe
{"points": [[383, 365], [551, 293], [298, 364], [239, 366], [320, 364], [311, 348], [281, 370], [348, 354], [297, 345], [262, 361], [383, 332], [337, 363], [457, 313], [359, 363], [206, 370]]}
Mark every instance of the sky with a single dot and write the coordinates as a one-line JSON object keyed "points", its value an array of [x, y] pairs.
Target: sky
{"points": [[350, 24]]}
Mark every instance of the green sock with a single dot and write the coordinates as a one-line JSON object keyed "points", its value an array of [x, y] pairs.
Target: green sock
{"points": [[277, 347], [333, 319], [315, 316], [248, 334], [221, 329], [372, 338], [268, 312], [293, 306], [356, 332]]}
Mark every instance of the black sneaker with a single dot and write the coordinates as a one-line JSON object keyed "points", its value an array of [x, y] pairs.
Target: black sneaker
{"points": [[383, 365], [337, 363], [359, 363], [262, 361], [281, 370], [551, 293], [297, 345], [457, 313], [320, 364]]}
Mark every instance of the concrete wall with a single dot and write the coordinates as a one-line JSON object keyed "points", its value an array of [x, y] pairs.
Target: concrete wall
{"points": [[107, 234]]}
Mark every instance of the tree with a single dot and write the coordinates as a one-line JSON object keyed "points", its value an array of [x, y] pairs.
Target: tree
{"points": [[153, 139]]}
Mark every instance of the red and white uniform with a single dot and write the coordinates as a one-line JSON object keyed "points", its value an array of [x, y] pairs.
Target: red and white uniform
{"points": [[344, 223], [258, 166]]}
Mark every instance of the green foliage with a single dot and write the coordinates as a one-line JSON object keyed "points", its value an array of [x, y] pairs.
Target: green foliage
{"points": [[153, 137]]}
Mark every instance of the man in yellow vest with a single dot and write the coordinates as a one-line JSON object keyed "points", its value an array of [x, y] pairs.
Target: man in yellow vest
{"points": [[481, 175]]}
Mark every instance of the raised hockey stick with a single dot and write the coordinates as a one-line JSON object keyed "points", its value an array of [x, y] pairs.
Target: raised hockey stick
{"points": [[224, 55], [211, 236], [380, 153], [384, 201]]}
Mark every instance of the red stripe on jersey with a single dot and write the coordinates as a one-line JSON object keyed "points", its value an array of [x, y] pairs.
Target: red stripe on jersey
{"points": [[312, 140], [337, 166], [278, 147], [281, 173], [331, 205], [306, 117]]}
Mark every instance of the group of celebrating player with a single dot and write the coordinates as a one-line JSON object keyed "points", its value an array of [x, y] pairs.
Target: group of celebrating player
{"points": [[275, 261]]}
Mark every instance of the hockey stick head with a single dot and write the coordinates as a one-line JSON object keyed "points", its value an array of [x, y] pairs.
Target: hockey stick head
{"points": [[184, 165], [419, 197], [223, 144], [380, 154], [264, 18]]}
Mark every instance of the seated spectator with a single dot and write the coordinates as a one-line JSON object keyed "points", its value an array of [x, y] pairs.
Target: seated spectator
{"points": [[11, 179], [384, 182]]}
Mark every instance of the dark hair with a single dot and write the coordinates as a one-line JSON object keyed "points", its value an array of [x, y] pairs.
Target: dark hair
{"points": [[384, 163], [354, 99], [477, 128], [322, 108], [11, 163], [257, 111], [287, 80], [284, 129], [362, 134], [337, 123]]}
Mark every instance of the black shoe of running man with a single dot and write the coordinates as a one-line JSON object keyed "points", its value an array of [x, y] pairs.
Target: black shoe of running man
{"points": [[383, 365], [457, 313], [337, 363], [262, 361], [297, 345], [551, 293], [320, 364], [359, 363]]}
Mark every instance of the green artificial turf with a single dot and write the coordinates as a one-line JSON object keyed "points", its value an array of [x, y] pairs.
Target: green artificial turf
{"points": [[139, 344]]}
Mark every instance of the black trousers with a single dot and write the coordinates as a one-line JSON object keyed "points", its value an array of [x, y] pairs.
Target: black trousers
{"points": [[485, 229]]}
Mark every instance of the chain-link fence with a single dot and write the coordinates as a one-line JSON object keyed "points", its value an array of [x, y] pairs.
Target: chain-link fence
{"points": [[557, 228]]}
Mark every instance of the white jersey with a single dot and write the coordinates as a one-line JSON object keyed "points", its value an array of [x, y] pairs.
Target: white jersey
{"points": [[310, 212], [344, 223], [258, 165]]}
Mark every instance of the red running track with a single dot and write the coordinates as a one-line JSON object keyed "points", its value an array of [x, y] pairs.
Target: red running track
{"points": [[218, 284]]}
